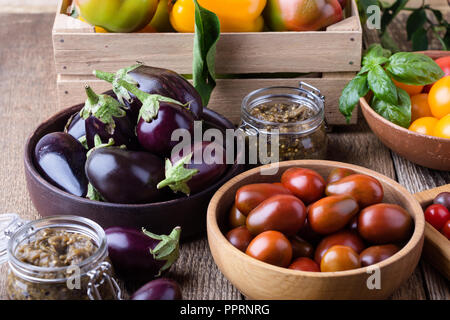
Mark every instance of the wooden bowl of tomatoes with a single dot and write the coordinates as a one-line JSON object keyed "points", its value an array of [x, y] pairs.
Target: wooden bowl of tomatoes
{"points": [[315, 229], [426, 141]]}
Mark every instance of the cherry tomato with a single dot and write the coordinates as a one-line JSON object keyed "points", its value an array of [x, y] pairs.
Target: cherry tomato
{"points": [[332, 213], [344, 238], [339, 173], [304, 264], [236, 218], [308, 234], [411, 89], [446, 229], [420, 107], [442, 128], [340, 258], [439, 98], [239, 237], [443, 198], [301, 248], [250, 196], [375, 254], [424, 125], [365, 189], [284, 213], [271, 247], [306, 184], [385, 223], [437, 215], [444, 63]]}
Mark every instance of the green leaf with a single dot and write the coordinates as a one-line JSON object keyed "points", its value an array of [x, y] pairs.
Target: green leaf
{"points": [[390, 13], [207, 33], [376, 54], [381, 85], [420, 40], [438, 15], [413, 68], [387, 42], [399, 113], [415, 21], [355, 89]]}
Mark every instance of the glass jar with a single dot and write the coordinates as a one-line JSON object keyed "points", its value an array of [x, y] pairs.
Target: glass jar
{"points": [[298, 139], [91, 278]]}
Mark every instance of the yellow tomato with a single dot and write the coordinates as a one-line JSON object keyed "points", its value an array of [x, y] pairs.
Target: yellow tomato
{"points": [[420, 107], [424, 125], [412, 90], [439, 98], [442, 128]]}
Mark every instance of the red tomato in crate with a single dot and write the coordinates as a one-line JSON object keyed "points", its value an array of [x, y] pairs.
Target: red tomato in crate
{"points": [[284, 213], [304, 264], [250, 196], [446, 229], [306, 184], [271, 247], [437, 215]]}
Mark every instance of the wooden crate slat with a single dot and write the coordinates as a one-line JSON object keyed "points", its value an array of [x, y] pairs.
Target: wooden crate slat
{"points": [[227, 97]]}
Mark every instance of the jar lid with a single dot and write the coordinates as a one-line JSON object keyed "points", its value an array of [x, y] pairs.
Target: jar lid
{"points": [[8, 221]]}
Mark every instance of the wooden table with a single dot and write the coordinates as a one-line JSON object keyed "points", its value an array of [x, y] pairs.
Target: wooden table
{"points": [[28, 96]]}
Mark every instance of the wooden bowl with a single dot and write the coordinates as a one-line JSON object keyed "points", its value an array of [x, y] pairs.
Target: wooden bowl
{"points": [[259, 280], [161, 217], [424, 150]]}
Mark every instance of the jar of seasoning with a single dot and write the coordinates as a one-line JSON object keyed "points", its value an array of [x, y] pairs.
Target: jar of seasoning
{"points": [[56, 258], [291, 119]]}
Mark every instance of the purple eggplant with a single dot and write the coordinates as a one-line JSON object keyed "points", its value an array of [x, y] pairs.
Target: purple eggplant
{"points": [[155, 135], [123, 176], [76, 126], [159, 289], [195, 169], [140, 256], [155, 81], [106, 117], [60, 158]]}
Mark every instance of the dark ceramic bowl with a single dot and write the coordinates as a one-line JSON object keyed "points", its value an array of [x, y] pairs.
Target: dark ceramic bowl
{"points": [[161, 217]]}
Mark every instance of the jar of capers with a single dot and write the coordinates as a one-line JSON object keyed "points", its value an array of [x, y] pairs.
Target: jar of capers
{"points": [[291, 120]]}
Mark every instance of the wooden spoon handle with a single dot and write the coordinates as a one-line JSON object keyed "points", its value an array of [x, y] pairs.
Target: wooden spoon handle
{"points": [[436, 248]]}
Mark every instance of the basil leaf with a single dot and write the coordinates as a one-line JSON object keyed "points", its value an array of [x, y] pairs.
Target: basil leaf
{"points": [[399, 114], [413, 68], [207, 33], [420, 40], [415, 21], [376, 55], [355, 89], [382, 86]]}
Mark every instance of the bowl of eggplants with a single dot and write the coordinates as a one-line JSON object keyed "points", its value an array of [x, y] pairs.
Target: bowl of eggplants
{"points": [[109, 159]]}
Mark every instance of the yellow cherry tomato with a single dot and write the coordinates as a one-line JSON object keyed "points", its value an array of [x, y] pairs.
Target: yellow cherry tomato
{"points": [[412, 90], [442, 128], [439, 98], [424, 125], [419, 106]]}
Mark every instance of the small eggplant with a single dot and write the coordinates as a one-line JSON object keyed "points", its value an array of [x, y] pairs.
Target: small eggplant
{"points": [[140, 256], [155, 81], [155, 134], [76, 126], [122, 176], [106, 117], [61, 158], [159, 289], [185, 175]]}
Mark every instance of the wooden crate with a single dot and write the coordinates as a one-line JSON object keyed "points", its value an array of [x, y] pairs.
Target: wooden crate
{"points": [[325, 59]]}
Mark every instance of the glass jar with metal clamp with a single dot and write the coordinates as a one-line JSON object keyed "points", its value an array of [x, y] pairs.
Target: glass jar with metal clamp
{"points": [[294, 116], [56, 258]]}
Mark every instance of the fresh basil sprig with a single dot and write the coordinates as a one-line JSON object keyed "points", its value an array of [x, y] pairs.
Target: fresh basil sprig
{"points": [[207, 33], [378, 68]]}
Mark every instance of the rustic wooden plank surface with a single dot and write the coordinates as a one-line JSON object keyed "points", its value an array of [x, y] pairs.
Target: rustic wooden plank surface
{"points": [[27, 97]]}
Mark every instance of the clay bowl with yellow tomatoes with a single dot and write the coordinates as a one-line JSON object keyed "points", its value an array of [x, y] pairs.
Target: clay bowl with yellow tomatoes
{"points": [[427, 140]]}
